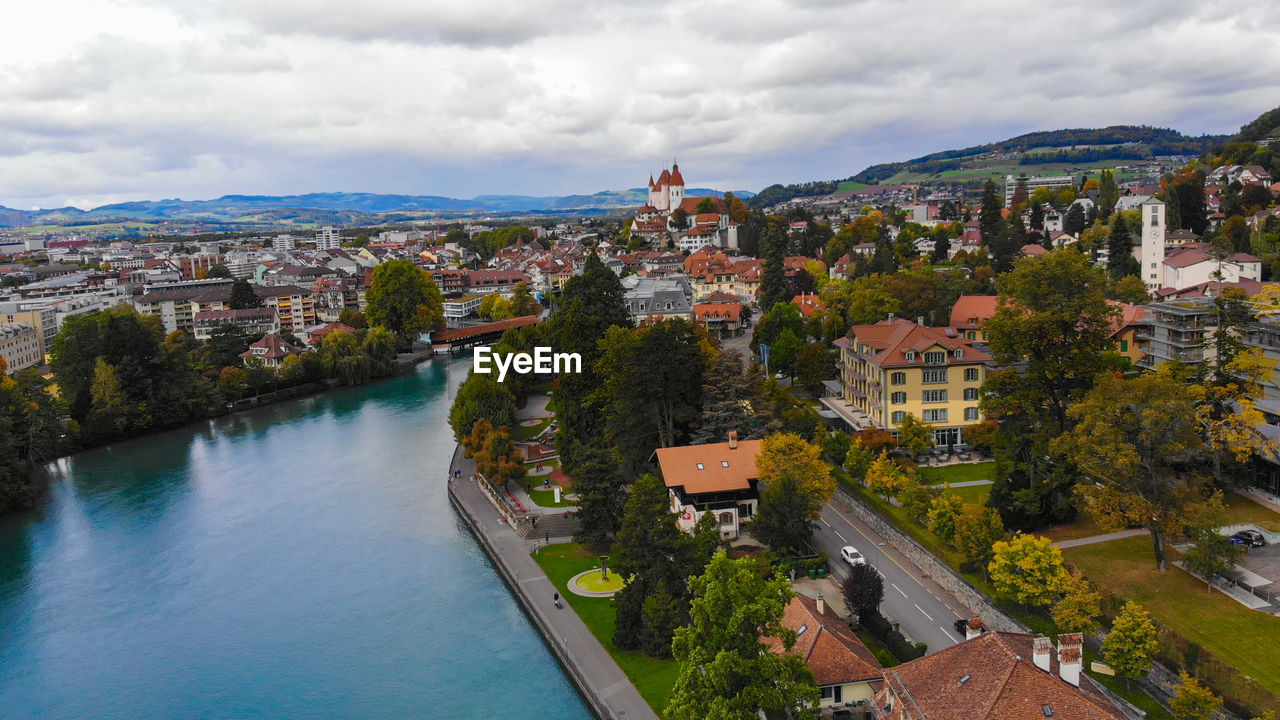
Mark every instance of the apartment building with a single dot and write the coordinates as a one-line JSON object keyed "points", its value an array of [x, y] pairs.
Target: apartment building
{"points": [[39, 315], [1176, 331], [19, 346], [897, 367], [294, 305], [327, 238]]}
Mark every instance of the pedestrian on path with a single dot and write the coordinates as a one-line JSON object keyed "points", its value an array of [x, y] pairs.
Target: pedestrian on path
{"points": [[556, 599]]}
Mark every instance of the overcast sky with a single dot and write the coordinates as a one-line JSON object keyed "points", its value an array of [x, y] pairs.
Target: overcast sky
{"points": [[110, 100]]}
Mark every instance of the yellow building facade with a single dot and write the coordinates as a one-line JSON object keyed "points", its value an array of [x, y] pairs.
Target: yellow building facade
{"points": [[896, 367]]}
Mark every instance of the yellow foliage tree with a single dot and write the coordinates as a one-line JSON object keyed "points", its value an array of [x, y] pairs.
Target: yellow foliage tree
{"points": [[886, 478], [1027, 569], [787, 455]]}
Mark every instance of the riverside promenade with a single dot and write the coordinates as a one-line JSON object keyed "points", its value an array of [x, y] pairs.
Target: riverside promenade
{"points": [[602, 683]]}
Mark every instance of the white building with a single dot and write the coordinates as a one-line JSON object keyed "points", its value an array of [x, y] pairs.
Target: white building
{"points": [[327, 238], [1033, 183], [283, 243], [19, 346], [1151, 249]]}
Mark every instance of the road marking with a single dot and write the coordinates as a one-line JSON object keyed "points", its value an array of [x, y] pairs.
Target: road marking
{"points": [[824, 522], [837, 532], [948, 634], [922, 612], [895, 587]]}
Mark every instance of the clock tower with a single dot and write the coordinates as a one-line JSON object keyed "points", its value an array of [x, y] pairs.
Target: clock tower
{"points": [[1151, 254]]}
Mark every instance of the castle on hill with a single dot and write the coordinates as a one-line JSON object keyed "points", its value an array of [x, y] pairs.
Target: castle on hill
{"points": [[688, 223]]}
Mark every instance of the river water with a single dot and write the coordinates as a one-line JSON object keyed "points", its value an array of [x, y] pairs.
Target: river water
{"points": [[298, 561]]}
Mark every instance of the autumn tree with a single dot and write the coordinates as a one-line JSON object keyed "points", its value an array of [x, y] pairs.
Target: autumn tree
{"points": [[886, 478], [404, 299], [796, 483], [1194, 701], [480, 396], [1129, 439], [978, 528], [494, 307], [726, 671], [1079, 607], [944, 510], [1027, 569], [522, 301], [915, 435], [1130, 647]]}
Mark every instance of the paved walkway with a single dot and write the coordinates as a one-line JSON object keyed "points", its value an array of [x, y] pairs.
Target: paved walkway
{"points": [[967, 483], [535, 407], [593, 670], [1094, 539]]}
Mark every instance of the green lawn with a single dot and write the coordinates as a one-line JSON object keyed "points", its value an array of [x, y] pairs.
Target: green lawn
{"points": [[655, 679], [1247, 639], [534, 486], [851, 186], [520, 432], [967, 472], [975, 495]]}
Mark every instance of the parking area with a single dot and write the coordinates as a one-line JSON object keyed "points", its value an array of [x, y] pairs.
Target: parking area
{"points": [[1264, 561]]}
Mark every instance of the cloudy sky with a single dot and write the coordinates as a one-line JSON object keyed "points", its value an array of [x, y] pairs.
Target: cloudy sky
{"points": [[109, 100]]}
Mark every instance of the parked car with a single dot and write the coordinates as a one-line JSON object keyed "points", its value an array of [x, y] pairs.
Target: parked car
{"points": [[852, 556], [1248, 538]]}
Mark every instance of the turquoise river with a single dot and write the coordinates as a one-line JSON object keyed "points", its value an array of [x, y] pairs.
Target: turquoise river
{"points": [[294, 562]]}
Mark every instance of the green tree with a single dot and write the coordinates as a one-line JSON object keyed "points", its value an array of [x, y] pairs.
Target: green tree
{"points": [[1211, 554], [863, 591], [344, 359], [1027, 569], [219, 271], [1130, 438], [796, 484], [494, 307], [1131, 645], [523, 302], [774, 287], [786, 349], [379, 345], [242, 295], [1129, 289], [782, 316], [886, 478], [995, 235], [814, 364], [1108, 194], [1120, 259], [404, 299], [480, 396], [1049, 336], [600, 485], [1194, 701], [353, 318], [1079, 608], [726, 670], [16, 489]]}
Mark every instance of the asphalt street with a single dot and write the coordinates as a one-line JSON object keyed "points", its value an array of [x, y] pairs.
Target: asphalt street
{"points": [[925, 611]]}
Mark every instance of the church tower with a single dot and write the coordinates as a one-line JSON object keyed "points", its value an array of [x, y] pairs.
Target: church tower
{"points": [[677, 187], [1151, 256]]}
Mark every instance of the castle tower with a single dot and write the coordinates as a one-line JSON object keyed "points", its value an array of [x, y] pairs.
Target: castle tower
{"points": [[651, 190], [677, 187], [662, 199], [1151, 256]]}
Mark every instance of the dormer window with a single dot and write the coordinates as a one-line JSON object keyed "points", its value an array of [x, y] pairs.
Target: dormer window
{"points": [[911, 356], [724, 463], [701, 466], [959, 353]]}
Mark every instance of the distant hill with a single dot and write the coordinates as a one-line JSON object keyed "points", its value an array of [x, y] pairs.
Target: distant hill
{"points": [[1267, 125], [1038, 153], [324, 208]]}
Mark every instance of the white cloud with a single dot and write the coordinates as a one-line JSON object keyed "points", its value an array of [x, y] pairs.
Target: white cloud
{"points": [[163, 98]]}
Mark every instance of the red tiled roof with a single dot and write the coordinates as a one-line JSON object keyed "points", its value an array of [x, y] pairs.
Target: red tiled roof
{"points": [[973, 311], [717, 311], [890, 340], [830, 649], [723, 469], [993, 677], [1032, 249]]}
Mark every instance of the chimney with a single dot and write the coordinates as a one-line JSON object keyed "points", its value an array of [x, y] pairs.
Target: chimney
{"points": [[920, 320], [1070, 657], [1041, 651], [973, 629], [822, 605], [733, 439]]}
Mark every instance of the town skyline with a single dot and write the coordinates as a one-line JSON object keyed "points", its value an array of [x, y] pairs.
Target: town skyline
{"points": [[137, 101]]}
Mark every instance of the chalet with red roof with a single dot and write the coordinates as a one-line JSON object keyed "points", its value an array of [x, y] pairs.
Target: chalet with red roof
{"points": [[271, 351], [847, 673], [718, 478]]}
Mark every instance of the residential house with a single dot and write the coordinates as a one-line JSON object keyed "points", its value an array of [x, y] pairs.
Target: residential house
{"points": [[896, 367], [658, 298], [271, 351], [719, 317], [997, 676], [971, 313], [718, 478], [847, 673], [313, 335], [1177, 331]]}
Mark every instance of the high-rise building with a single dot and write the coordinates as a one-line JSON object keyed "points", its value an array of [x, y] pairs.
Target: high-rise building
{"points": [[327, 238]]}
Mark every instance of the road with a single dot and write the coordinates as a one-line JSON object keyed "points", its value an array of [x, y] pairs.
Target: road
{"points": [[924, 610]]}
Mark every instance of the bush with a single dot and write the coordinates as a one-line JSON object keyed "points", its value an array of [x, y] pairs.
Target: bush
{"points": [[883, 631]]}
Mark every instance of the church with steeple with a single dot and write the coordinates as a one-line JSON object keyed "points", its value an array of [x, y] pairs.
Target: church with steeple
{"points": [[668, 192]]}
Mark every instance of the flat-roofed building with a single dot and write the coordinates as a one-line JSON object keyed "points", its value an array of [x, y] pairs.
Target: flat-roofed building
{"points": [[19, 346]]}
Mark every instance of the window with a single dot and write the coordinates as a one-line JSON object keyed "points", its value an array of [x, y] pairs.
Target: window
{"points": [[935, 416], [971, 374], [834, 693], [971, 413], [935, 396], [726, 518], [971, 335], [1124, 346], [911, 355], [898, 398], [701, 466], [958, 353], [898, 416], [933, 377], [724, 463], [802, 630], [935, 358], [971, 393], [898, 378], [1154, 217]]}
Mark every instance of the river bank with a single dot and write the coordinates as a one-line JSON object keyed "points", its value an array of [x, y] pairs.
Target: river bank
{"points": [[607, 690]]}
